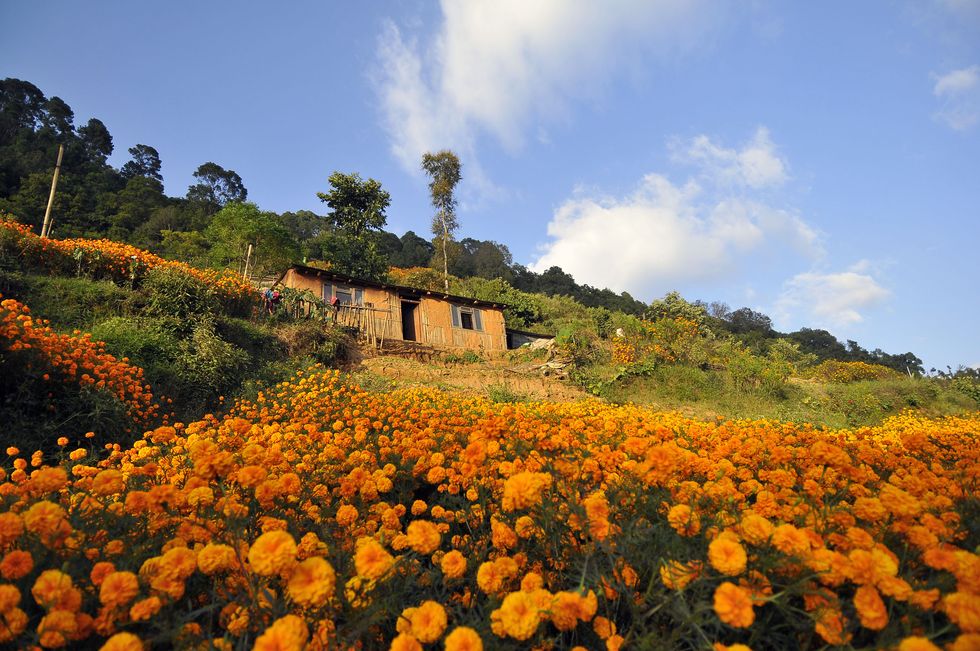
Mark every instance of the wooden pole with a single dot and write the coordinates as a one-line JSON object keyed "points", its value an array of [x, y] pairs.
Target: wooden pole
{"points": [[46, 226], [248, 256]]}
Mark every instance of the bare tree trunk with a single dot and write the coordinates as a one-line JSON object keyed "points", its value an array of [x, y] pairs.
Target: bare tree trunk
{"points": [[46, 225]]}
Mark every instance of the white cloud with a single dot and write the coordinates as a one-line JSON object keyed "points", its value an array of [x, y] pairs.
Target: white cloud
{"points": [[664, 235], [757, 165], [495, 66], [830, 300], [959, 91]]}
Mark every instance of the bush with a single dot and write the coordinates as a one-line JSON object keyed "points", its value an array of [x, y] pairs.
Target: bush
{"points": [[174, 294], [839, 372]]}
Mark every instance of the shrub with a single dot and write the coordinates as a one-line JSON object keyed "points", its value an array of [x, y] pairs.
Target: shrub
{"points": [[179, 296], [840, 372]]}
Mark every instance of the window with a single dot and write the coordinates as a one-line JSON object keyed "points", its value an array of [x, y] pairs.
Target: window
{"points": [[344, 295], [467, 318]]}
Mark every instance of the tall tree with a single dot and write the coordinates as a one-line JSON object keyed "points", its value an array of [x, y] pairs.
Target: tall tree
{"points": [[357, 215], [216, 187], [445, 171], [96, 140], [145, 162]]}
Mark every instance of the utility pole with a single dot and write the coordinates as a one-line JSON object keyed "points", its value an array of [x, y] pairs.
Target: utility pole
{"points": [[248, 257], [46, 226]]}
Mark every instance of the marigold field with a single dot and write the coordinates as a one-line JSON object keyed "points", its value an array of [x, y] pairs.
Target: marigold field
{"points": [[322, 516]]}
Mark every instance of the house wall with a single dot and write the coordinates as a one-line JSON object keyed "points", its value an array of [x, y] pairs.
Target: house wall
{"points": [[433, 317]]}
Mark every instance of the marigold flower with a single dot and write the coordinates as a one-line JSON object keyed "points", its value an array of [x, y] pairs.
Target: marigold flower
{"points": [[733, 605], [523, 490], [11, 527], [917, 643], [13, 622], [676, 575], [463, 638], [312, 583], [56, 628], [428, 621], [684, 521], [790, 540], [453, 564], [963, 610], [123, 642], [51, 587], [144, 609], [405, 642], [118, 589], [346, 515], [9, 597], [16, 564], [287, 633], [372, 560], [273, 552], [423, 536], [727, 556], [108, 482], [518, 615], [870, 608], [44, 518], [755, 529], [216, 557]]}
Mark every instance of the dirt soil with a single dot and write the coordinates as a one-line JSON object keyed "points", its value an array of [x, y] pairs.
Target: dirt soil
{"points": [[487, 377]]}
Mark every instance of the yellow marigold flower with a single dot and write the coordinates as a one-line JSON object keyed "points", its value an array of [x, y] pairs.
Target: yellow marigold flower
{"points": [[727, 556], [12, 451], [16, 564], [11, 527], [597, 511], [287, 633], [518, 615], [51, 587], [428, 621], [108, 482], [216, 557], [916, 643], [453, 564], [603, 627], [118, 589], [9, 597], [123, 642], [524, 527], [144, 609], [963, 610], [567, 608], [346, 515], [13, 622], [532, 581], [966, 642], [405, 642], [274, 552], [48, 480], [677, 575], [419, 507], [870, 608], [733, 605], [684, 521], [372, 560], [464, 638], [56, 628], [790, 540], [755, 529], [312, 583], [523, 490], [423, 536], [44, 518]]}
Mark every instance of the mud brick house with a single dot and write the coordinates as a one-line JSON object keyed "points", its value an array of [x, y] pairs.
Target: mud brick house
{"points": [[391, 312]]}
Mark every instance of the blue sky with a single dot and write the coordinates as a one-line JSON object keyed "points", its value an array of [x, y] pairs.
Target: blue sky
{"points": [[819, 162]]}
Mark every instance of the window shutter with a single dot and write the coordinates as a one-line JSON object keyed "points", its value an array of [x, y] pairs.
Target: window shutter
{"points": [[455, 311], [477, 320], [358, 297]]}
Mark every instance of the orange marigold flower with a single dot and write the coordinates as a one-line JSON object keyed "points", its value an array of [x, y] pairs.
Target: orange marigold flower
{"points": [[312, 583], [870, 608], [755, 529], [790, 540], [346, 515], [523, 490], [963, 610], [144, 609], [108, 482], [44, 518], [405, 642], [48, 480], [464, 638], [16, 564], [428, 621], [287, 633], [9, 597], [453, 564], [13, 622], [966, 642], [423, 536], [273, 552], [118, 589], [56, 628], [685, 521], [216, 557], [677, 575], [11, 527], [123, 642], [916, 643], [372, 560], [733, 605], [518, 615], [727, 556], [51, 587]]}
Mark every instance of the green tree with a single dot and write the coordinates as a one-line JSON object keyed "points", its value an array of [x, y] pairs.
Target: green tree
{"points": [[216, 187], [673, 305], [357, 215], [145, 162], [444, 170], [236, 226]]}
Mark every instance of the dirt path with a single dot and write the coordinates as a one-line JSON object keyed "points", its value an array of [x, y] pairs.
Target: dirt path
{"points": [[497, 379]]}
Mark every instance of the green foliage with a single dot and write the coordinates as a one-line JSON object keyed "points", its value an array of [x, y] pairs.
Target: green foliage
{"points": [[216, 187], [504, 394], [68, 303], [237, 226], [178, 296], [579, 343], [673, 306], [357, 214], [464, 357], [445, 172], [191, 247]]}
